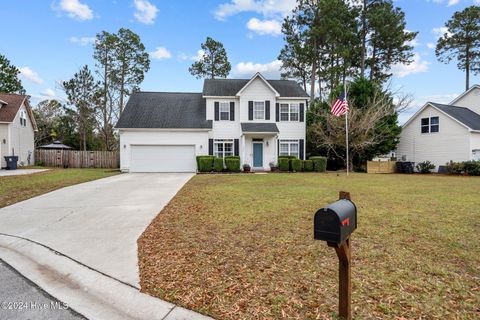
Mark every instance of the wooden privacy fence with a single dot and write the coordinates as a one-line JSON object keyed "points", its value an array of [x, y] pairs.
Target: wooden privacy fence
{"points": [[381, 166], [78, 159]]}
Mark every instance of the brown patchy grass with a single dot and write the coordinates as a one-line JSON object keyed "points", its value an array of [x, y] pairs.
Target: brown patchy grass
{"points": [[241, 247], [22, 187]]}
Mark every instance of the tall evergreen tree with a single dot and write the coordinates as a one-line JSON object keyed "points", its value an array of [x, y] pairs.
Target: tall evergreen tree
{"points": [[213, 63], [461, 41], [83, 92], [9, 81]]}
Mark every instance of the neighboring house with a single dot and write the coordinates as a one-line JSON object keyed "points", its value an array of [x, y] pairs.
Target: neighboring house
{"points": [[256, 119], [17, 128], [442, 133]]}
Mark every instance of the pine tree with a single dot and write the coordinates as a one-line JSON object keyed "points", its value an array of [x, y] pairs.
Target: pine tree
{"points": [[9, 81], [213, 63]]}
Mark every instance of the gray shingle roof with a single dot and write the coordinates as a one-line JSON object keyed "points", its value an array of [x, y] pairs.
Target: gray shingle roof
{"points": [[464, 115], [165, 110], [259, 127], [230, 87]]}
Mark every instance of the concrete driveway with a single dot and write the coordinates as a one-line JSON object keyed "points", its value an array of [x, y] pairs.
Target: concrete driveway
{"points": [[18, 172], [96, 223]]}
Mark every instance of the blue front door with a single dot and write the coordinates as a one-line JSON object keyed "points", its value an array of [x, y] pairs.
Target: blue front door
{"points": [[258, 155]]}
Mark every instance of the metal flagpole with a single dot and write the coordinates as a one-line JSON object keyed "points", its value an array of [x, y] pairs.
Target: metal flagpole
{"points": [[346, 125]]}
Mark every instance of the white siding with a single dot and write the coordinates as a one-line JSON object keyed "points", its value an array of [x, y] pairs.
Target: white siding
{"points": [[4, 147], [157, 137], [451, 143], [471, 100], [474, 141], [257, 91], [224, 129], [21, 140]]}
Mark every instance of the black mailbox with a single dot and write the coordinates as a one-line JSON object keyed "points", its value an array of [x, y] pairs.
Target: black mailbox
{"points": [[336, 222]]}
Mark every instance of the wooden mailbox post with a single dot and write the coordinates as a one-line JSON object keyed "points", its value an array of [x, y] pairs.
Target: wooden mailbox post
{"points": [[334, 224]]}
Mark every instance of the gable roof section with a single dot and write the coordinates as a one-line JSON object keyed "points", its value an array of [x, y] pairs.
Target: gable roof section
{"points": [[13, 101], [476, 86], [464, 116], [230, 87], [169, 110], [259, 127], [255, 76]]}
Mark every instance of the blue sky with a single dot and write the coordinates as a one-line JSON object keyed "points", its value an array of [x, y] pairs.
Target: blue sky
{"points": [[50, 40]]}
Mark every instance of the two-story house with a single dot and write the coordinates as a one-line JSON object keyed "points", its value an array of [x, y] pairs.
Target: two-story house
{"points": [[17, 129], [256, 119], [441, 133]]}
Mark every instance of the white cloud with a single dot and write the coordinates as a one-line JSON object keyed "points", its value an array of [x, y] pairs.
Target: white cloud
{"points": [[417, 66], [183, 56], [48, 93], [83, 41], [453, 2], [145, 12], [28, 74], [431, 45], [248, 69], [75, 9], [268, 8], [161, 53], [264, 27], [440, 31]]}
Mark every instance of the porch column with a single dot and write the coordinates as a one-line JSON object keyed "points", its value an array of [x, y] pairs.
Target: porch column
{"points": [[243, 150]]}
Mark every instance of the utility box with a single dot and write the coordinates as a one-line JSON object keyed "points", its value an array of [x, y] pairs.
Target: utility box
{"points": [[336, 222]]}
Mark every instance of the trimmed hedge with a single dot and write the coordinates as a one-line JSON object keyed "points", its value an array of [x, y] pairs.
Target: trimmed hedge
{"points": [[319, 164], [472, 168], [287, 157], [232, 164], [296, 165], [218, 164], [425, 167], [232, 157], [205, 163], [308, 165], [283, 164]]}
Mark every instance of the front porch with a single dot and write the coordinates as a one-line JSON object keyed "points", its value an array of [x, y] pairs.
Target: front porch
{"points": [[259, 145]]}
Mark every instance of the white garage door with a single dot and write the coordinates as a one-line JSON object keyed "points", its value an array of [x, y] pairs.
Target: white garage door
{"points": [[163, 158]]}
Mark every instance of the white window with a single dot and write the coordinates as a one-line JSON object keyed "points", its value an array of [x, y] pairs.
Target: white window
{"points": [[222, 148], [289, 112], [224, 111], [284, 112], [289, 148], [431, 124], [23, 118], [259, 110]]}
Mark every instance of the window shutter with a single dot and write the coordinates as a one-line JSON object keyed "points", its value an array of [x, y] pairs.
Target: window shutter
{"points": [[267, 110], [250, 110], [210, 147], [217, 111], [278, 147], [302, 112], [236, 149], [301, 148], [232, 111], [277, 112]]}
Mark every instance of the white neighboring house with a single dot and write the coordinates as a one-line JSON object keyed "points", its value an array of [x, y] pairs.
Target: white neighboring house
{"points": [[256, 119], [442, 133], [17, 129]]}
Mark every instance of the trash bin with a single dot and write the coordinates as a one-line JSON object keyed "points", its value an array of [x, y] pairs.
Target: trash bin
{"points": [[11, 162]]}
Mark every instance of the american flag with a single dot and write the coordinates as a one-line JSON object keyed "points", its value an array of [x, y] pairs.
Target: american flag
{"points": [[340, 106]]}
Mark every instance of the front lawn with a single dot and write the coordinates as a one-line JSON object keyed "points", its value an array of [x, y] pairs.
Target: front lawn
{"points": [[241, 247], [18, 188]]}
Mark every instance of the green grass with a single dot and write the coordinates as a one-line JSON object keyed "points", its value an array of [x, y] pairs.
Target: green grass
{"points": [[241, 247], [18, 188]]}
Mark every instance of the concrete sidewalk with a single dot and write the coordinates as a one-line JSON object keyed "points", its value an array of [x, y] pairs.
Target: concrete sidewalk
{"points": [[18, 172]]}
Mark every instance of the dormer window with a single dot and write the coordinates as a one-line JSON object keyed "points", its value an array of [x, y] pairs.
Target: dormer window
{"points": [[259, 110]]}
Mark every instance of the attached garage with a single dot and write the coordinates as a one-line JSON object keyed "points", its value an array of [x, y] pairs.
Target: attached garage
{"points": [[162, 158]]}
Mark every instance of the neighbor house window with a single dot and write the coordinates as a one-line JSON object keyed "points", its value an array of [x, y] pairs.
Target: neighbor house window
{"points": [[224, 111], [431, 124], [289, 112], [222, 148], [289, 148], [259, 110], [23, 119]]}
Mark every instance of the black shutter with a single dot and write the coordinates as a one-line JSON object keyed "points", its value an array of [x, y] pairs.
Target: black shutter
{"points": [[210, 147], [302, 112], [267, 110], [301, 147], [277, 112], [250, 110], [278, 147], [217, 111], [232, 111], [236, 147]]}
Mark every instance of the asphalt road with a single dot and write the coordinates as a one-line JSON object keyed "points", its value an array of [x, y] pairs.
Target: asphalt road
{"points": [[21, 299]]}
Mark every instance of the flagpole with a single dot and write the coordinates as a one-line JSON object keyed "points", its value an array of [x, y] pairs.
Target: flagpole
{"points": [[346, 126]]}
